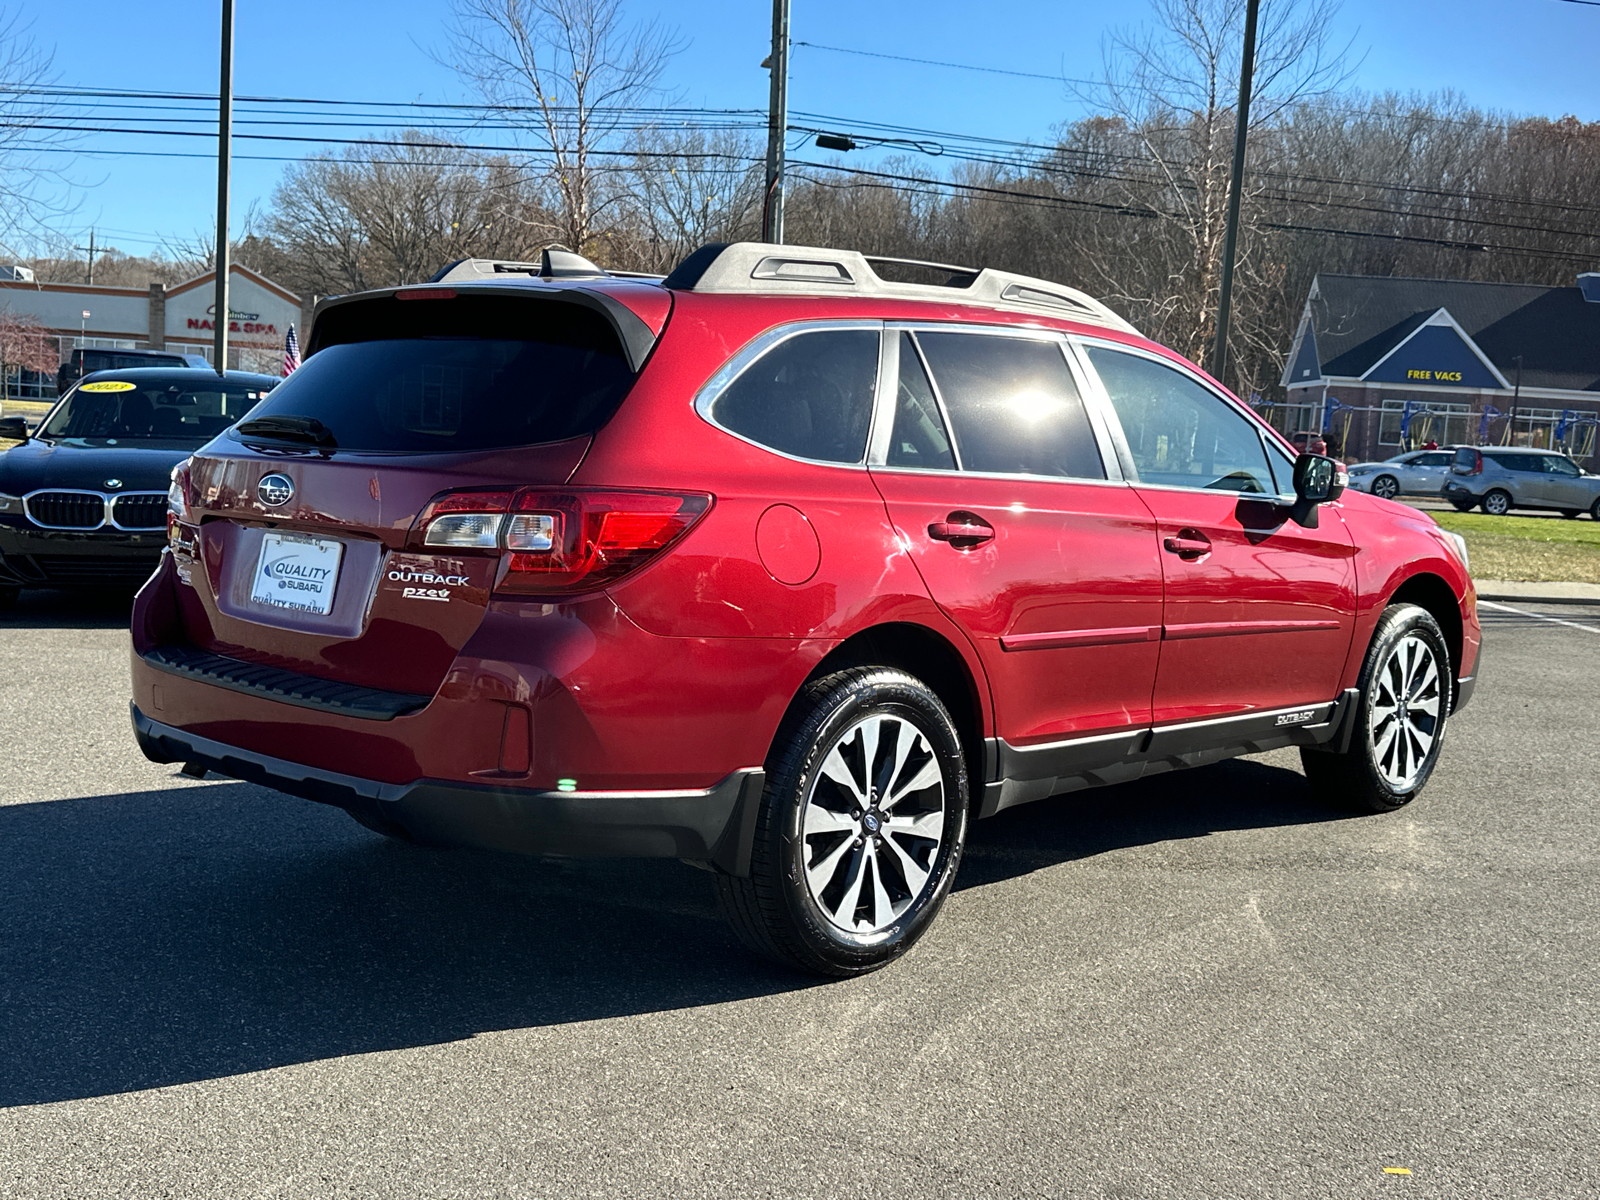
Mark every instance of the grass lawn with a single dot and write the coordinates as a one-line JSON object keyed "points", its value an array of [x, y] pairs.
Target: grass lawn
{"points": [[1534, 549]]}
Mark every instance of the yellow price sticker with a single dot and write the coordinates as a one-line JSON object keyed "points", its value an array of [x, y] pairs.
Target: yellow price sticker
{"points": [[108, 385], [1397, 1170]]}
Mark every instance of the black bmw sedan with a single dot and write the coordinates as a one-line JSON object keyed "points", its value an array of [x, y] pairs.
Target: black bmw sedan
{"points": [[83, 502]]}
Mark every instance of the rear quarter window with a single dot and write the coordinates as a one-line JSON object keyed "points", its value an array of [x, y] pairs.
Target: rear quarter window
{"points": [[809, 396]]}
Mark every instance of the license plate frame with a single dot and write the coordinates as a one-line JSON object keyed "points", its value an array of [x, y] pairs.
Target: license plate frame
{"points": [[296, 572]]}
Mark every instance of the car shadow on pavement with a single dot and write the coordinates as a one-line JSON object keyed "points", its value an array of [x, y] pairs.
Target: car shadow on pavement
{"points": [[189, 933], [1236, 794], [86, 608]]}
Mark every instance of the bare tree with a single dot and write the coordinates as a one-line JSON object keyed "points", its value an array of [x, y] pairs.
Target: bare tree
{"points": [[1169, 89], [565, 72], [34, 190], [688, 188], [381, 216]]}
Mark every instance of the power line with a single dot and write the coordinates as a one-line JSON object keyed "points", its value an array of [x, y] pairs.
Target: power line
{"points": [[933, 62]]}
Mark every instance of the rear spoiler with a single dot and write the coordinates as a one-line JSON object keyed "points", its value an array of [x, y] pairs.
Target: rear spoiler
{"points": [[636, 337]]}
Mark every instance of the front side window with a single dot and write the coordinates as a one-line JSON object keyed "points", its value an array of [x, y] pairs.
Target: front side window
{"points": [[1014, 409], [1554, 464], [809, 396], [1180, 433]]}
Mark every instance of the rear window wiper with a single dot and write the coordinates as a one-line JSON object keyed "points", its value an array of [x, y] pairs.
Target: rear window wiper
{"points": [[289, 429]]}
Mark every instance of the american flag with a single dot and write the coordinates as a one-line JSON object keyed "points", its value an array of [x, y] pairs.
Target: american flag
{"points": [[291, 353]]}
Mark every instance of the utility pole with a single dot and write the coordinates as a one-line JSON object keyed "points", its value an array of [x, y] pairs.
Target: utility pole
{"points": [[1230, 241], [89, 250], [777, 124], [1516, 396], [219, 319]]}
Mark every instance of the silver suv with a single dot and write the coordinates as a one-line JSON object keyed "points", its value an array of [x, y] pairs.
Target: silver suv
{"points": [[1500, 478]]}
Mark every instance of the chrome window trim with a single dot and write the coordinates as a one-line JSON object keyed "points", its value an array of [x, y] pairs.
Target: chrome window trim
{"points": [[747, 355], [1097, 422], [1084, 342], [106, 499]]}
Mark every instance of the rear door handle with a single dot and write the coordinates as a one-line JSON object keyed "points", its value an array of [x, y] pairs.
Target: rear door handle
{"points": [[961, 527], [1189, 545]]}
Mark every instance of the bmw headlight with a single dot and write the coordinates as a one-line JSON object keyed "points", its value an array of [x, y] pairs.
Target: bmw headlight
{"points": [[10, 504]]}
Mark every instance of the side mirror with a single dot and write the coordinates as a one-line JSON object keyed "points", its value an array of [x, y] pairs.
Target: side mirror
{"points": [[13, 429], [1318, 479]]}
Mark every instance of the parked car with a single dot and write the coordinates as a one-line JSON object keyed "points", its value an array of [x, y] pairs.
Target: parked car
{"points": [[88, 361], [1415, 473], [83, 501], [1500, 478], [778, 567]]}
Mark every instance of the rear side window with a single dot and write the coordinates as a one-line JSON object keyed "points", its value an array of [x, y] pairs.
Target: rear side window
{"points": [[1013, 406], [809, 396], [451, 375], [1180, 433], [1466, 459], [920, 438], [1517, 462]]}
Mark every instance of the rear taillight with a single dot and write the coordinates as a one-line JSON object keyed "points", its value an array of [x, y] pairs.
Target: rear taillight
{"points": [[178, 499], [561, 541], [465, 520]]}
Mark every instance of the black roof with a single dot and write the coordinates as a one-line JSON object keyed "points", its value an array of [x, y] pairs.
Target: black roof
{"points": [[1357, 319]]}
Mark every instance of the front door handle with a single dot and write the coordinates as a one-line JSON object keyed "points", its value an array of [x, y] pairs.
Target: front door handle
{"points": [[1190, 545], [962, 530]]}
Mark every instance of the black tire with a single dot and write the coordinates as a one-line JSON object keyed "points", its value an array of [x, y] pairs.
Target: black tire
{"points": [[1386, 487], [1594, 511], [8, 598], [1497, 502], [774, 911], [1572, 514], [1460, 507], [1359, 778]]}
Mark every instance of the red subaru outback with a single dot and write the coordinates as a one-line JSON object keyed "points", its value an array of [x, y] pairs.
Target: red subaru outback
{"points": [[780, 566]]}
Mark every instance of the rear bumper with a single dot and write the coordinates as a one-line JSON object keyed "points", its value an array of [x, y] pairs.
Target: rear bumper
{"points": [[714, 825]]}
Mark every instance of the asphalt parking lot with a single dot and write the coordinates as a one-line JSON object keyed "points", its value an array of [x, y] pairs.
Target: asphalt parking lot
{"points": [[1199, 985]]}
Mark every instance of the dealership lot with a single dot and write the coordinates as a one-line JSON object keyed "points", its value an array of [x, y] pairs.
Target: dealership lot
{"points": [[1203, 984]]}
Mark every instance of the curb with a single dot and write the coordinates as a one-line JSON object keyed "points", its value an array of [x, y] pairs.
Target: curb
{"points": [[1505, 591]]}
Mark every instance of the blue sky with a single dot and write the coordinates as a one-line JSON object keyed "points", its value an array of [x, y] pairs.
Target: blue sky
{"points": [[1523, 56]]}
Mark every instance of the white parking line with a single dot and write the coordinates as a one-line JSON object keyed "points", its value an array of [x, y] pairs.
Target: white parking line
{"points": [[1537, 616]]}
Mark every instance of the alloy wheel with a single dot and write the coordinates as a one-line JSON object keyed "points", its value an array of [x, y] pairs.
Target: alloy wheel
{"points": [[1496, 504], [873, 823], [1385, 487], [1406, 714]]}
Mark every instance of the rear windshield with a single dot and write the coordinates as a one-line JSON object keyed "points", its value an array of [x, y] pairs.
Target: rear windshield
{"points": [[451, 375], [176, 411]]}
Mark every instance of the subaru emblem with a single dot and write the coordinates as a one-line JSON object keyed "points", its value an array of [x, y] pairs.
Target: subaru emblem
{"points": [[275, 489], [113, 484]]}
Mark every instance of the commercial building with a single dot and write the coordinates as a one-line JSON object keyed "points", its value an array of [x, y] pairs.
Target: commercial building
{"points": [[178, 318], [1382, 364]]}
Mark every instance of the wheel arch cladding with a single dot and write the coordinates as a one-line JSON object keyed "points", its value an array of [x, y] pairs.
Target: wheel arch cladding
{"points": [[1434, 594], [925, 654]]}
